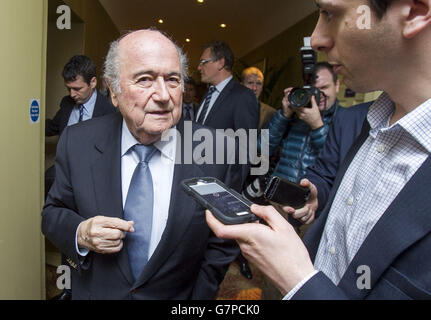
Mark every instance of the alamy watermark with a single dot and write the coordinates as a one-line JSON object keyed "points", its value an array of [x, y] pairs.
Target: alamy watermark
{"points": [[64, 278], [364, 280], [364, 20], [205, 146], [64, 21]]}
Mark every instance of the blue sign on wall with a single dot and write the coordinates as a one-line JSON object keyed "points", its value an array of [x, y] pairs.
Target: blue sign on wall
{"points": [[34, 111]]}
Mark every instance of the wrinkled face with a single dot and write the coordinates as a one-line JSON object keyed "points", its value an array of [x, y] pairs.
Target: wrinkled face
{"points": [[151, 84], [325, 83], [360, 55], [255, 83], [209, 68], [79, 90], [189, 93]]}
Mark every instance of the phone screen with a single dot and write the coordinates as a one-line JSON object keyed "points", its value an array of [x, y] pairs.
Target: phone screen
{"points": [[221, 199]]}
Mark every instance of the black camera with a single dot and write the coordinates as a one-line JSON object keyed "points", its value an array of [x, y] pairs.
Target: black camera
{"points": [[301, 97]]}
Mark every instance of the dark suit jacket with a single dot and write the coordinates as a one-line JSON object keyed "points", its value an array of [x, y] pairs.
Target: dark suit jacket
{"points": [[189, 262], [56, 126], [397, 250], [235, 108], [343, 132]]}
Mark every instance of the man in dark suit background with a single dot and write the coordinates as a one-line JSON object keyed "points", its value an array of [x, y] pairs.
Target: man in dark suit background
{"points": [[190, 106], [120, 217], [84, 101], [227, 104]]}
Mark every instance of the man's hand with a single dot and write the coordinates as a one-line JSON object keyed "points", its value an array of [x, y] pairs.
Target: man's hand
{"points": [[311, 115], [103, 235], [307, 213], [286, 110], [275, 249]]}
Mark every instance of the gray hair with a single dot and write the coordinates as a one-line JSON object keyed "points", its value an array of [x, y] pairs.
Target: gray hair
{"points": [[112, 63]]}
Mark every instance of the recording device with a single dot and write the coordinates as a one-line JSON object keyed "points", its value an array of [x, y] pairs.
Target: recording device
{"points": [[301, 97], [226, 204], [286, 193]]}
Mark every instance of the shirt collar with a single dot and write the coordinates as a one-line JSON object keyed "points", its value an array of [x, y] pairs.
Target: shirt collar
{"points": [[89, 105], [223, 84], [417, 122], [166, 148]]}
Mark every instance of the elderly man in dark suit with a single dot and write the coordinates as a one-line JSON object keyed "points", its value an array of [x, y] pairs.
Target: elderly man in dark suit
{"points": [[116, 209]]}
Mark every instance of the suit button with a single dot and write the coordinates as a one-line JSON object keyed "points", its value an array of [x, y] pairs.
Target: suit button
{"points": [[134, 291]]}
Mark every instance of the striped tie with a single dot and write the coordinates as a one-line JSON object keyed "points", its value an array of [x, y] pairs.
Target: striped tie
{"points": [[206, 105]]}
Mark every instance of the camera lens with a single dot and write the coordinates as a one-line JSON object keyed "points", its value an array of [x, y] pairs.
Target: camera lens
{"points": [[299, 97]]}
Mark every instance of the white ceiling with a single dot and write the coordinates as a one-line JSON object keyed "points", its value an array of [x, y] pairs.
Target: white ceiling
{"points": [[250, 23]]}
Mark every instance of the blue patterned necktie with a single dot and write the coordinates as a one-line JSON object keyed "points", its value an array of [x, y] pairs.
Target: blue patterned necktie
{"points": [[81, 112], [139, 208], [206, 105]]}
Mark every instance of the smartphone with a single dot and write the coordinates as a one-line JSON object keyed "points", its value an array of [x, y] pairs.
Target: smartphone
{"points": [[286, 193], [226, 204]]}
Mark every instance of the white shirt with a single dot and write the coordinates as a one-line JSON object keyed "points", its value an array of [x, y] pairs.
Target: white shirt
{"points": [[384, 164], [162, 171], [218, 89], [88, 110]]}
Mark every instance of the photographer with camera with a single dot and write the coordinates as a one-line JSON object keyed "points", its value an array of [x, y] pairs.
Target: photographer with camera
{"points": [[301, 132]]}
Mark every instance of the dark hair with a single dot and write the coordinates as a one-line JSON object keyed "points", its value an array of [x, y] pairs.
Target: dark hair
{"points": [[221, 50], [380, 6], [190, 81], [326, 65], [79, 66]]}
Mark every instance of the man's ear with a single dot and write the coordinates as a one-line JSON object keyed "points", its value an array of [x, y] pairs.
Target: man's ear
{"points": [[114, 98], [417, 17], [93, 83], [221, 64]]}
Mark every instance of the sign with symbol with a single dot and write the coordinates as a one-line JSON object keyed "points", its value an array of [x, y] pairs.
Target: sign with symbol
{"points": [[34, 111]]}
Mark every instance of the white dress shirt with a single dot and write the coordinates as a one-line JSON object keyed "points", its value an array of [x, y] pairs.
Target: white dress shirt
{"points": [[384, 164], [88, 110], [162, 171], [218, 89]]}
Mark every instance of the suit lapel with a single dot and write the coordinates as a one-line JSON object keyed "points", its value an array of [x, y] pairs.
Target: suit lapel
{"points": [[389, 238], [99, 107], [106, 172], [65, 116], [223, 94]]}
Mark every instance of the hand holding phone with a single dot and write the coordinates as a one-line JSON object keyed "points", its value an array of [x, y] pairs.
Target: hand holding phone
{"points": [[226, 204], [305, 213], [286, 193]]}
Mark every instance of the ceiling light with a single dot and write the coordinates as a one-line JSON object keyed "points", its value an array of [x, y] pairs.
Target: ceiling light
{"points": [[200, 1], [223, 25], [188, 40], [160, 21]]}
